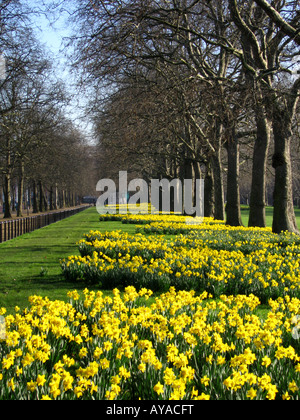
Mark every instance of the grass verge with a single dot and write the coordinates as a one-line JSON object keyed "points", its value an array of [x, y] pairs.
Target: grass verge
{"points": [[29, 265], [269, 215]]}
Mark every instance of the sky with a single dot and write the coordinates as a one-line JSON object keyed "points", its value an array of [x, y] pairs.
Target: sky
{"points": [[51, 31], [52, 35]]}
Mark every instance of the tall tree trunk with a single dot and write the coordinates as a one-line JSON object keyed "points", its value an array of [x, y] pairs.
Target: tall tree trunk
{"points": [[189, 173], [63, 199], [209, 192], [7, 181], [1, 197], [7, 196], [51, 198], [13, 197], [215, 160], [199, 197], [219, 211], [28, 202], [55, 199], [257, 215], [34, 198], [21, 190], [284, 214], [234, 217], [41, 197], [43, 206]]}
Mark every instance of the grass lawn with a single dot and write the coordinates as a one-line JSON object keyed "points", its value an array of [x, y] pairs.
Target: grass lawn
{"points": [[269, 215], [29, 265]]}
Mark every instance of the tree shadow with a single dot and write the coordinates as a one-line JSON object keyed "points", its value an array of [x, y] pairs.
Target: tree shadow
{"points": [[58, 282]]}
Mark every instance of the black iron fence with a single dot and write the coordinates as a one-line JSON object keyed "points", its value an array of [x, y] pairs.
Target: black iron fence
{"points": [[11, 229]]}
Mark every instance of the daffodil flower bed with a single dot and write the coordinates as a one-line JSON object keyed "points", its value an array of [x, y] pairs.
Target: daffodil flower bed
{"points": [[148, 218], [180, 347], [216, 259], [157, 217]]}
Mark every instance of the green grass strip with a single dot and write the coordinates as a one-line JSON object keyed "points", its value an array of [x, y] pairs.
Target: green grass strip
{"points": [[29, 265]]}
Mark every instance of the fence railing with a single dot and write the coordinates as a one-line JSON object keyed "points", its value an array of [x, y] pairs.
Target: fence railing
{"points": [[11, 229]]}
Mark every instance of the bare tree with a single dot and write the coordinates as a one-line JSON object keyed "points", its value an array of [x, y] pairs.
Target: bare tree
{"points": [[268, 49], [143, 34], [235, 53], [285, 16]]}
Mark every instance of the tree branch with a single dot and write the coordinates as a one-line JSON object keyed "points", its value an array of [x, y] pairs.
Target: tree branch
{"points": [[276, 17]]}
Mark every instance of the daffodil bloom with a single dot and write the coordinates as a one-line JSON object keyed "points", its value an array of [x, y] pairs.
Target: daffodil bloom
{"points": [[159, 388], [41, 380], [31, 386], [252, 394], [142, 367], [11, 384], [205, 381], [46, 398], [286, 396], [266, 361], [203, 397], [293, 387]]}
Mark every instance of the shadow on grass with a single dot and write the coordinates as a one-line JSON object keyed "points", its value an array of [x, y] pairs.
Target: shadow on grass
{"points": [[38, 248], [48, 283], [55, 282]]}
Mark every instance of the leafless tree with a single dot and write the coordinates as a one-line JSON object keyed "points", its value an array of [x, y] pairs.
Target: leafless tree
{"points": [[235, 53], [268, 40], [41, 150], [130, 35]]}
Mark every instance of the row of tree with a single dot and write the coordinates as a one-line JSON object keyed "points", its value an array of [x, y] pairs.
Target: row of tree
{"points": [[44, 159], [180, 84]]}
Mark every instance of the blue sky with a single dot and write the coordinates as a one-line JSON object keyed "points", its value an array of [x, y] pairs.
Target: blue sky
{"points": [[52, 35]]}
